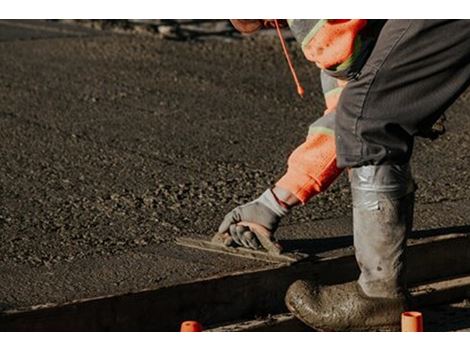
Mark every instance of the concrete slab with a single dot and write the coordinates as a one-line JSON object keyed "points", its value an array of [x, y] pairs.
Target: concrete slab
{"points": [[243, 295]]}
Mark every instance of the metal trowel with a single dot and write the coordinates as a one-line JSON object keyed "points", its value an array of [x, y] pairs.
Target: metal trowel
{"points": [[222, 243]]}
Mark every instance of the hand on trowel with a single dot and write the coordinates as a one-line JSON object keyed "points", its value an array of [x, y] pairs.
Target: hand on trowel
{"points": [[248, 230], [253, 224], [252, 236]]}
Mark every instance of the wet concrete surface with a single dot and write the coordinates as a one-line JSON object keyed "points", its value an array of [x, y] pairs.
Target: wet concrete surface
{"points": [[114, 144]]}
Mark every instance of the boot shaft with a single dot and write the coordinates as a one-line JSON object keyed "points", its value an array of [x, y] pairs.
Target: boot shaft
{"points": [[383, 202]]}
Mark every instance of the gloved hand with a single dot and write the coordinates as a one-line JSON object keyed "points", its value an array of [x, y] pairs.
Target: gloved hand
{"points": [[266, 211]]}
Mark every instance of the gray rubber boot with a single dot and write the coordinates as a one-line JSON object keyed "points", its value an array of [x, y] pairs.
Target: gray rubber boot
{"points": [[383, 202], [383, 198]]}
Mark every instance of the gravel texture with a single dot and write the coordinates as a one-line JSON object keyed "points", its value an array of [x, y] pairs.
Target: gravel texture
{"points": [[113, 144]]}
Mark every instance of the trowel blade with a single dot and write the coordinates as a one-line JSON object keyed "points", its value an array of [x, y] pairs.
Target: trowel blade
{"points": [[214, 246]]}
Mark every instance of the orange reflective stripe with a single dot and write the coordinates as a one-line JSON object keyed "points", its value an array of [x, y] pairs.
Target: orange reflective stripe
{"points": [[311, 167], [334, 42]]}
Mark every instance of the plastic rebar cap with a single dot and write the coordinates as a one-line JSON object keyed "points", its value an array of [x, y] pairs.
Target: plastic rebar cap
{"points": [[191, 326], [411, 322]]}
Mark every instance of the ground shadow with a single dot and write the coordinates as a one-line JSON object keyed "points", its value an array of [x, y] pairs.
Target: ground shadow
{"points": [[318, 245], [446, 318], [313, 246], [440, 231], [4, 307]]}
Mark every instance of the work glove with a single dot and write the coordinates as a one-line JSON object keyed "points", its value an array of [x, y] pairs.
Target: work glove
{"points": [[253, 224]]}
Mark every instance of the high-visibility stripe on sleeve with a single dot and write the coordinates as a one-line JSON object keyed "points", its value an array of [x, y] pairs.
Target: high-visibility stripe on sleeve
{"points": [[332, 99]]}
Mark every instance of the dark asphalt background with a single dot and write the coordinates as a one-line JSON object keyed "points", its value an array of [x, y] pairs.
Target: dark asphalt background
{"points": [[113, 144]]}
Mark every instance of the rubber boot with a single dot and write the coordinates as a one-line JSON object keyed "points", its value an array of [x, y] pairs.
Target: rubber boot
{"points": [[383, 198]]}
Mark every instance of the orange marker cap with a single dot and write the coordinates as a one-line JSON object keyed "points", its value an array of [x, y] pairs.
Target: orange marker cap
{"points": [[191, 326], [412, 322]]}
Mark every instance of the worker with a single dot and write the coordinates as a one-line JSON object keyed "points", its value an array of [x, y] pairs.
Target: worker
{"points": [[385, 82]]}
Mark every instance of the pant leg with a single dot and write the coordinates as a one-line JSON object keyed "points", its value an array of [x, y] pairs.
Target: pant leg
{"points": [[416, 70]]}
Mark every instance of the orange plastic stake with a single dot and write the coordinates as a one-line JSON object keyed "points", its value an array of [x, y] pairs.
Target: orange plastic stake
{"points": [[300, 89], [412, 322], [191, 326]]}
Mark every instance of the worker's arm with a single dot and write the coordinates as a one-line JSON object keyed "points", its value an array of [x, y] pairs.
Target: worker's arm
{"points": [[312, 166], [311, 170]]}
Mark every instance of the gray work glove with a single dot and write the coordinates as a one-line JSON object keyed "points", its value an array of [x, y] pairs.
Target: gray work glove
{"points": [[247, 222]]}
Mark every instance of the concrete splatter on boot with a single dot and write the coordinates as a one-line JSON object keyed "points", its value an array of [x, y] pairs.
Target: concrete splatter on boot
{"points": [[383, 198], [343, 307]]}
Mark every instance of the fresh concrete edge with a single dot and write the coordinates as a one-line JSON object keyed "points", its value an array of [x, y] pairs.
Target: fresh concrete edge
{"points": [[235, 297], [435, 293], [284, 322]]}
